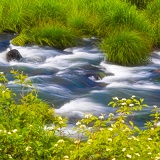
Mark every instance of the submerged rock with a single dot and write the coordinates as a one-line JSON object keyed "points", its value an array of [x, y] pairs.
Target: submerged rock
{"points": [[13, 54]]}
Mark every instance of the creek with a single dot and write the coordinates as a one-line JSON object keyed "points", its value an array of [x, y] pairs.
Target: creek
{"points": [[79, 80]]}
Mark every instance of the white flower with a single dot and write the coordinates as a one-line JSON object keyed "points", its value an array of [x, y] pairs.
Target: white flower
{"points": [[156, 158], [56, 145], [129, 156], [111, 115], [61, 122], [60, 141], [82, 126], [27, 148], [107, 149], [123, 99], [1, 72], [110, 139], [78, 123], [66, 157], [149, 139], [89, 128], [123, 104], [110, 129], [77, 141], [133, 96], [0, 130], [60, 118], [137, 154], [122, 121], [102, 116], [124, 149], [14, 131], [88, 116], [131, 105], [9, 132], [115, 98], [154, 106], [9, 156], [149, 153], [114, 159], [89, 141]]}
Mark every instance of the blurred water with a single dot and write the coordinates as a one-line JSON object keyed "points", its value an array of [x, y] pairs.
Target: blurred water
{"points": [[79, 80]]}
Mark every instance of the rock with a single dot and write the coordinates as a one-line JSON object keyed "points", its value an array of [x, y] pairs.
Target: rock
{"points": [[13, 54]]}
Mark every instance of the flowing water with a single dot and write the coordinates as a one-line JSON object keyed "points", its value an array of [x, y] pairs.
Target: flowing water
{"points": [[79, 80]]}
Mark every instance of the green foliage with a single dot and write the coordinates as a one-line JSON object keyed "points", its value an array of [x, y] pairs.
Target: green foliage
{"points": [[126, 48], [55, 36], [29, 129], [153, 13], [141, 4]]}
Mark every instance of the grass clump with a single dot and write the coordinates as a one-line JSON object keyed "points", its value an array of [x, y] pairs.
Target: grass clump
{"points": [[126, 48], [56, 36], [25, 131]]}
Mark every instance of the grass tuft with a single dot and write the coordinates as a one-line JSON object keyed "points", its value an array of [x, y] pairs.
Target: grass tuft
{"points": [[126, 48]]}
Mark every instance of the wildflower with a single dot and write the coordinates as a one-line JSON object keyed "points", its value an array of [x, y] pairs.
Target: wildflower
{"points": [[110, 139], [156, 158], [77, 142], [149, 139], [60, 141], [61, 122], [115, 98], [102, 116], [66, 157], [60, 118], [149, 153], [27, 148], [131, 105], [124, 149], [111, 115], [56, 145], [78, 123], [154, 106], [122, 121], [133, 96], [114, 159], [123, 99], [129, 156], [1, 72], [14, 131], [88, 116], [110, 129], [89, 141], [9, 156], [137, 154], [107, 149], [82, 126], [89, 128], [123, 104], [9, 132], [129, 138]]}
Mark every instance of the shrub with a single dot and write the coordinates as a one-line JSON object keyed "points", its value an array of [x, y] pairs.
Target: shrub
{"points": [[126, 48], [25, 131]]}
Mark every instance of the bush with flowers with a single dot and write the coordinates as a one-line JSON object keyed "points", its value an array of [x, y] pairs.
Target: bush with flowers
{"points": [[25, 132]]}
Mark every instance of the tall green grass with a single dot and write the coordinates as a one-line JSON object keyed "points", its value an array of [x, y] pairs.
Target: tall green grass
{"points": [[55, 36], [126, 48], [49, 22], [153, 13]]}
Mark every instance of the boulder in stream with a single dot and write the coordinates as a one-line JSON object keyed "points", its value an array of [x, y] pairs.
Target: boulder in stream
{"points": [[13, 54]]}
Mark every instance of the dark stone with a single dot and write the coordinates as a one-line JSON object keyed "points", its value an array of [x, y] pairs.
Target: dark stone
{"points": [[13, 54]]}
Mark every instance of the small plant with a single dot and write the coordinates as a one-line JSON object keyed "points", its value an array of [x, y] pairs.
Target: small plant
{"points": [[29, 129], [126, 48]]}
